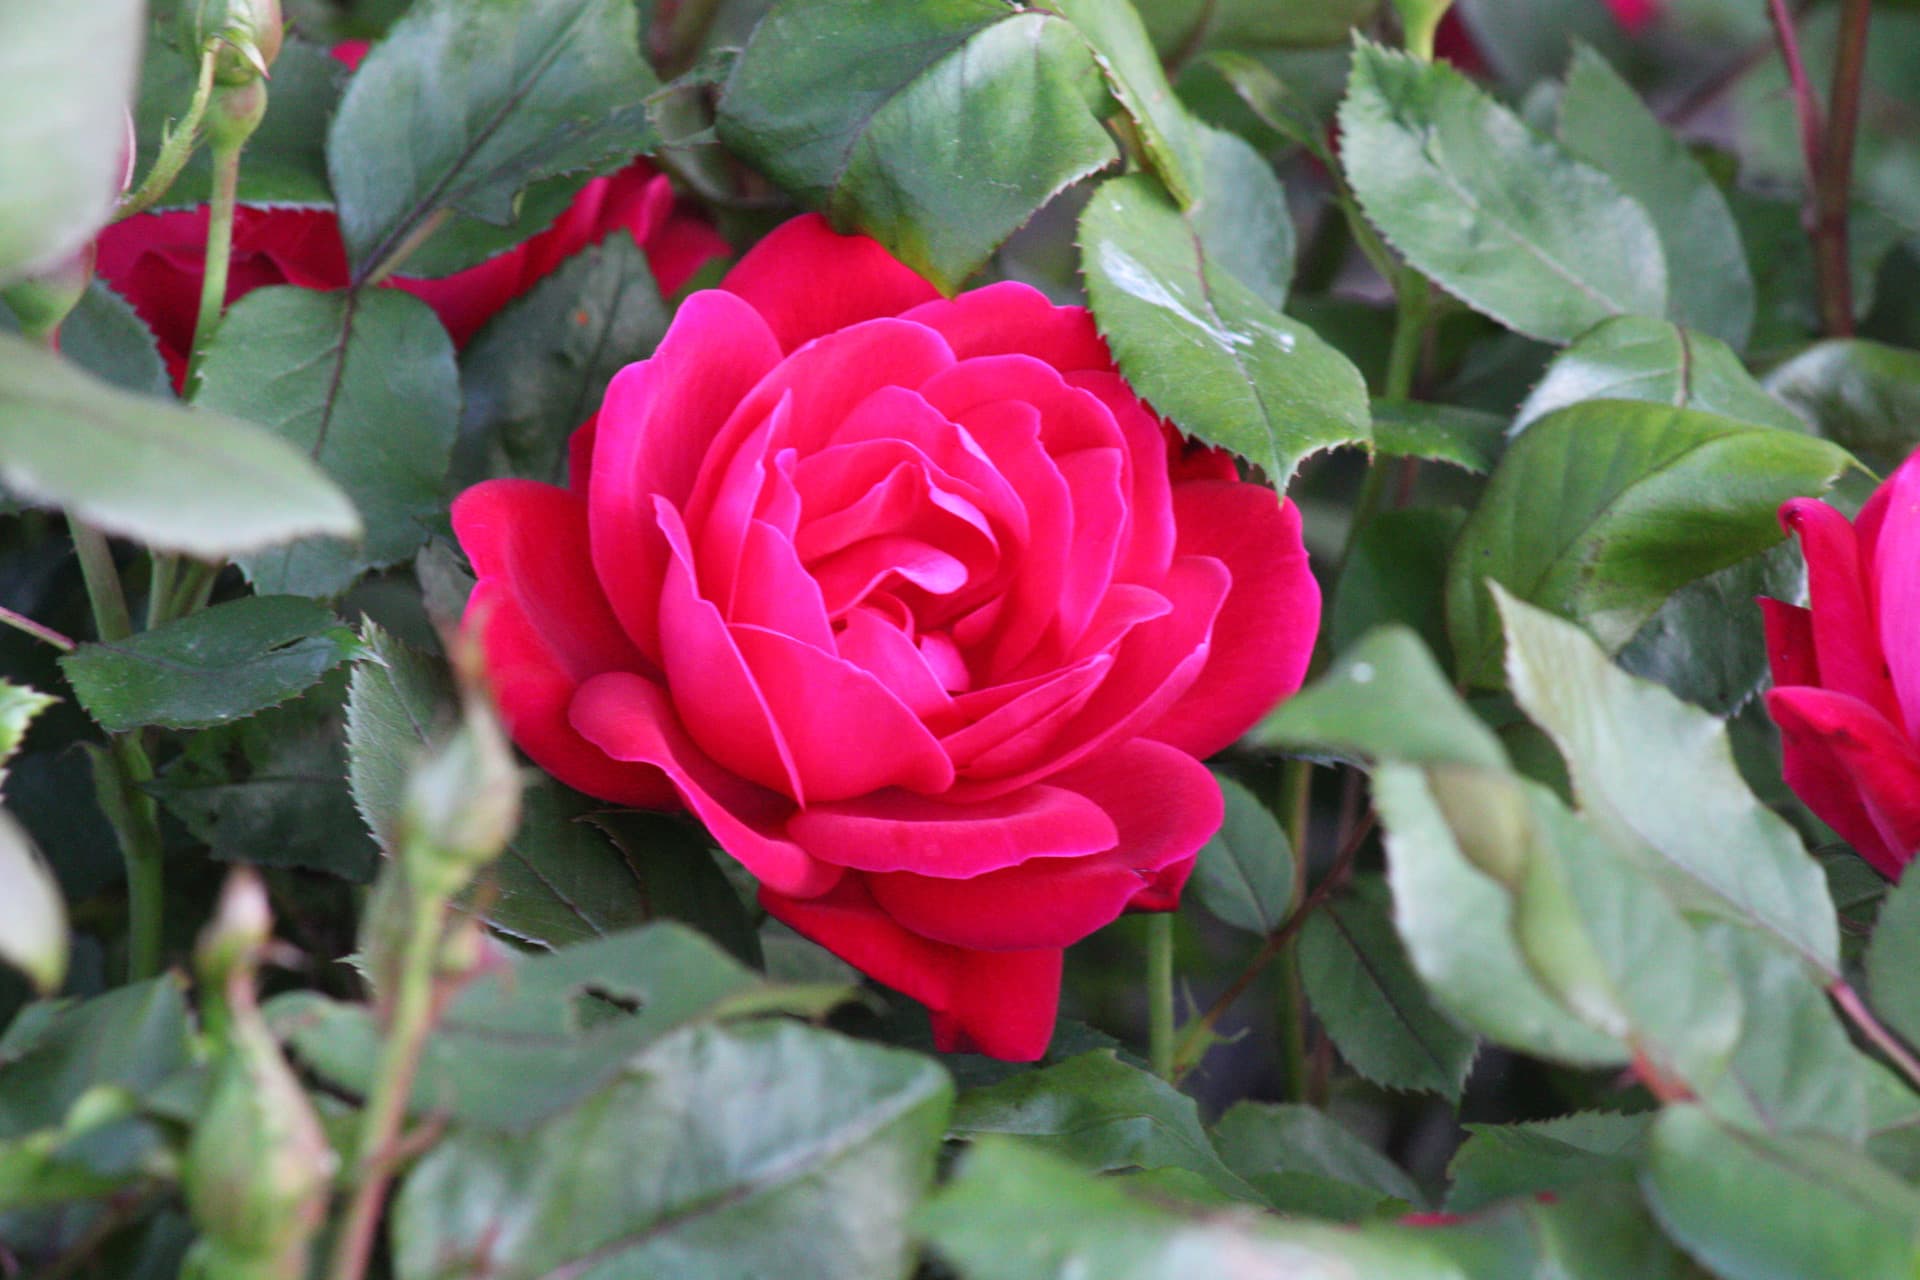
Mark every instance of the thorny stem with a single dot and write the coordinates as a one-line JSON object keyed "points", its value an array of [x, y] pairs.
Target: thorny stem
{"points": [[175, 150], [1886, 1041], [39, 631], [213, 284]]}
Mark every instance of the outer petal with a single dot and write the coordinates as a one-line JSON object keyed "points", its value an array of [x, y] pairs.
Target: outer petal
{"points": [[1263, 638], [1846, 638], [1854, 769], [1895, 566], [808, 280], [632, 719], [1789, 643], [1001, 1003], [1010, 318], [899, 831]]}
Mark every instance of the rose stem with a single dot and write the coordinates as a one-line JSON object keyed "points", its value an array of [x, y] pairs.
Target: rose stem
{"points": [[1833, 182], [1862, 1017], [1160, 993], [39, 631], [174, 151]]}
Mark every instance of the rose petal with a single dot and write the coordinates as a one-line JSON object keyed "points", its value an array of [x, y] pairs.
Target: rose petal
{"points": [[899, 831], [809, 281], [1010, 318], [1151, 534], [1895, 564], [1854, 769], [1846, 639], [871, 642], [1790, 654], [1263, 637], [632, 719], [1001, 1003], [775, 592]]}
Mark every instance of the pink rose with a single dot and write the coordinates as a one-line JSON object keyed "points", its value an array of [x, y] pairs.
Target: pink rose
{"points": [[1846, 671], [913, 603]]}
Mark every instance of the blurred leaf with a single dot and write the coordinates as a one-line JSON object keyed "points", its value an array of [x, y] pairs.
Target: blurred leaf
{"points": [[18, 707], [1501, 217], [104, 336], [1204, 345], [1396, 571], [1384, 699], [1269, 1144], [1864, 396], [1658, 775], [750, 1151], [462, 106], [1465, 438], [1244, 874], [1367, 996], [541, 1032], [1647, 498], [1704, 643], [68, 72], [33, 916], [1185, 25], [215, 666], [1103, 1114], [1640, 358], [1603, 121], [540, 367], [1498, 1161], [398, 701], [201, 483], [131, 1038], [1126, 56], [1271, 100], [1802, 1207], [365, 383], [936, 126], [1598, 1230], [1893, 960], [101, 1151], [1525, 41], [1780, 254]]}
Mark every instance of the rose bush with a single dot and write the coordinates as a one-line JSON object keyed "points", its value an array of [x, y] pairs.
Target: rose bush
{"points": [[913, 603], [1846, 670]]}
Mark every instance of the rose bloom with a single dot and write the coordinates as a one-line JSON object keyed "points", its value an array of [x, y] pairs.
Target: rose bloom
{"points": [[913, 603], [1846, 670]]}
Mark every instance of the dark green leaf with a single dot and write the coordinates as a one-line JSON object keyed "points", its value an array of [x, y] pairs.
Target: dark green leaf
{"points": [[1803, 1207], [1502, 1160], [1893, 961], [1640, 358], [1863, 395], [366, 384], [758, 1151], [1703, 643], [462, 106], [1465, 438], [132, 1037], [1603, 121], [216, 666], [1180, 25], [1205, 346], [1503, 218], [675, 860], [1367, 996], [202, 483], [560, 881], [1598, 1230], [1646, 500], [1268, 1143], [1244, 874], [937, 126], [539, 369], [69, 72], [1396, 571], [1272, 100], [105, 337], [1102, 1113], [1125, 55]]}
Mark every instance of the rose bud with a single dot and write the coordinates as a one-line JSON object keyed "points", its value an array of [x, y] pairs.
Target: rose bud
{"points": [[247, 35], [1846, 669], [461, 807], [913, 602]]}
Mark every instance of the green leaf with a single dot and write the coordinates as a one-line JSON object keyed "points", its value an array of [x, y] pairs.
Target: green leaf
{"points": [[104, 336], [1501, 217], [937, 126], [1012, 1212], [1502, 1160], [1204, 346], [33, 916], [365, 383], [200, 483], [1658, 775], [757, 1151], [1126, 56], [131, 1038], [674, 860], [68, 72], [1646, 500], [1598, 1230], [1754, 1207], [560, 881], [398, 701], [1603, 121], [1640, 358], [1703, 644], [1383, 699], [1864, 396], [19, 704], [1179, 25], [1272, 101], [1465, 438], [1244, 874], [462, 106], [540, 367], [1893, 959], [1269, 1144], [1367, 996], [216, 666], [1103, 1114], [1396, 572], [541, 1032]]}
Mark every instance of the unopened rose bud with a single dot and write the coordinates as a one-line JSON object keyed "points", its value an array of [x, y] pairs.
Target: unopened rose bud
{"points": [[42, 302], [245, 34], [462, 805], [241, 925]]}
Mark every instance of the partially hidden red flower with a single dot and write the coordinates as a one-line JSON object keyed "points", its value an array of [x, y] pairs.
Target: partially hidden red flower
{"points": [[1634, 16], [1846, 670], [913, 603]]}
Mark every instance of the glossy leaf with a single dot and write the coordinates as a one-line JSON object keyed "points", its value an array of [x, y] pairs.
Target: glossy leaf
{"points": [[1658, 774], [1501, 217], [1202, 345], [1269, 1144], [210, 668], [201, 483], [1603, 121], [1498, 1161], [365, 383], [462, 106], [1647, 499], [67, 73], [1862, 395], [33, 916], [1465, 438], [1640, 358], [1703, 644], [1893, 961], [1244, 874], [1367, 996], [1126, 57], [936, 126]]}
